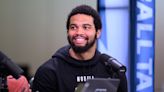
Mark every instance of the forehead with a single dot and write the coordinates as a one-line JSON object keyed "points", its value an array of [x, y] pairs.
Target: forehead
{"points": [[81, 18]]}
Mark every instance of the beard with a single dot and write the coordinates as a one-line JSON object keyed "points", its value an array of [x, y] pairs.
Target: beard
{"points": [[81, 49]]}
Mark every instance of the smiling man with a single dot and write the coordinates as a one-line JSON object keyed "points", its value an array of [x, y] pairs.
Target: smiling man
{"points": [[79, 61], [82, 36]]}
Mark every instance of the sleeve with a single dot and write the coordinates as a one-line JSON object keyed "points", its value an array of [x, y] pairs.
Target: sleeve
{"points": [[45, 80], [123, 83]]}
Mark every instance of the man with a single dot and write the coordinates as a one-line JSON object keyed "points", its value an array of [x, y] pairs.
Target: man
{"points": [[79, 61]]}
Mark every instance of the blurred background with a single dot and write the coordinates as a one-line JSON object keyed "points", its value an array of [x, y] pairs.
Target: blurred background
{"points": [[32, 30]]}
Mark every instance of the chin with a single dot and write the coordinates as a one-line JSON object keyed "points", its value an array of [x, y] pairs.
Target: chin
{"points": [[80, 45]]}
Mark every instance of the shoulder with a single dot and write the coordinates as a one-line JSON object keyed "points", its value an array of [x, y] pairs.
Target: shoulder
{"points": [[52, 64], [49, 65], [46, 72]]}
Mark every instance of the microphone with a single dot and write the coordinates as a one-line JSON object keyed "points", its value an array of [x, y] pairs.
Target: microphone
{"points": [[9, 67], [113, 63]]}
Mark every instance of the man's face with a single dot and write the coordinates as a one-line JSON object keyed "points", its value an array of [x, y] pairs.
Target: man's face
{"points": [[82, 34]]}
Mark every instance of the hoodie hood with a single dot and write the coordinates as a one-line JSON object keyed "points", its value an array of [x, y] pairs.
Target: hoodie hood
{"points": [[63, 55]]}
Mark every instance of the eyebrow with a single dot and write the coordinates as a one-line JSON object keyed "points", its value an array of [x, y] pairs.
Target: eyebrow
{"points": [[72, 24], [87, 24], [82, 24]]}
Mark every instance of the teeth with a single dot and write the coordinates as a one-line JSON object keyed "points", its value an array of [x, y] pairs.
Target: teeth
{"points": [[79, 39]]}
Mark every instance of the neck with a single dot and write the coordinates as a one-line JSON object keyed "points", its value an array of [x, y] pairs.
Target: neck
{"points": [[83, 56]]}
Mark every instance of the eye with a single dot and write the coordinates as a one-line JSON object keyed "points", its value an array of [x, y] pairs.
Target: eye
{"points": [[87, 27], [72, 27]]}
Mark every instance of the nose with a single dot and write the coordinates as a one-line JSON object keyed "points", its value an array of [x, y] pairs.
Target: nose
{"points": [[80, 31]]}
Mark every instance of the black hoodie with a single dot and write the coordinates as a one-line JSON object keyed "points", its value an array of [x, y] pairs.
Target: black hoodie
{"points": [[62, 73]]}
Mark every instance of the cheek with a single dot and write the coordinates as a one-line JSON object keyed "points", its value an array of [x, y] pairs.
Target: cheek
{"points": [[70, 33], [70, 36], [93, 35]]}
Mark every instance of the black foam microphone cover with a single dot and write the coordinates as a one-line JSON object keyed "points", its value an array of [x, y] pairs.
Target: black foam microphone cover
{"points": [[113, 63], [7, 66]]}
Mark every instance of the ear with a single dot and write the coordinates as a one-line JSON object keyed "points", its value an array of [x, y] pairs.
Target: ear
{"points": [[98, 33]]}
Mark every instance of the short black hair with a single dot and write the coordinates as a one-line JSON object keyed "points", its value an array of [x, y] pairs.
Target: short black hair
{"points": [[87, 10]]}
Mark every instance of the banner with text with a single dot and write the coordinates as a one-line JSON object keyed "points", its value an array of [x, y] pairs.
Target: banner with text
{"points": [[143, 46]]}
